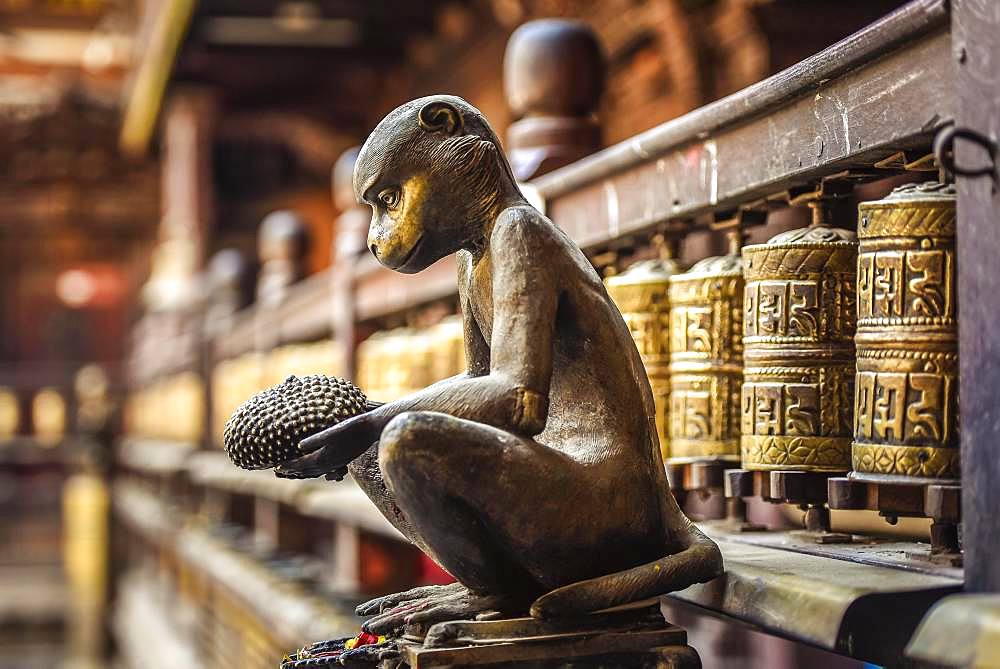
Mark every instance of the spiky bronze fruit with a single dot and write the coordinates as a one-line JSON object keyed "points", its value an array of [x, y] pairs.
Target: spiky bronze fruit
{"points": [[266, 429]]}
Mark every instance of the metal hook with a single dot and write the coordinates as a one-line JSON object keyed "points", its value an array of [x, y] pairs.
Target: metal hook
{"points": [[944, 152]]}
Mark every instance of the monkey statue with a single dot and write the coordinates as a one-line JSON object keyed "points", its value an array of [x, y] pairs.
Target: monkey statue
{"points": [[534, 478]]}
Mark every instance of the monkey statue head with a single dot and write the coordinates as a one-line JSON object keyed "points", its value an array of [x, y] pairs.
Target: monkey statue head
{"points": [[436, 177]]}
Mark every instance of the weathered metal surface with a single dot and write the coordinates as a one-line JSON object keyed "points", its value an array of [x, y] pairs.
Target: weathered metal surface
{"points": [[468, 643], [850, 105], [820, 600], [551, 368], [976, 30], [959, 631], [870, 550]]}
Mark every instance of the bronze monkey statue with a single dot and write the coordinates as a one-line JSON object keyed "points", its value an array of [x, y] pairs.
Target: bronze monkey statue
{"points": [[534, 478]]}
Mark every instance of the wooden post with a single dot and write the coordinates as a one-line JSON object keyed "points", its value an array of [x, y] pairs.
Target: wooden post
{"points": [[553, 78], [976, 50], [188, 212], [188, 199]]}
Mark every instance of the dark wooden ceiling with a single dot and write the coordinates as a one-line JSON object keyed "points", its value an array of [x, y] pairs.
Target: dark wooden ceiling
{"points": [[268, 68]]}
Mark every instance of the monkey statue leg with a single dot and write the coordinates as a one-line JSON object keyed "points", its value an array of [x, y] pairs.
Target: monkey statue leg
{"points": [[440, 467], [366, 472]]}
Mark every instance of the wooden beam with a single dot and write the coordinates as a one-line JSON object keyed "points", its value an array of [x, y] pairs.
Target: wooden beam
{"points": [[145, 97], [976, 53], [877, 91]]}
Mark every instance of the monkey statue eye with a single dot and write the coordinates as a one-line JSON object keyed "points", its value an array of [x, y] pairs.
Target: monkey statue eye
{"points": [[389, 197]]}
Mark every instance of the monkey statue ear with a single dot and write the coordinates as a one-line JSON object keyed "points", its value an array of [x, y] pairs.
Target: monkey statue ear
{"points": [[440, 116]]}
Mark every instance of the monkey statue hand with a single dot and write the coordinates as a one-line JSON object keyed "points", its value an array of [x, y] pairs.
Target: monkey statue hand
{"points": [[329, 452]]}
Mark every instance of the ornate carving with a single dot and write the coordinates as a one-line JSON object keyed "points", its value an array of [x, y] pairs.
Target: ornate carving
{"points": [[909, 461], [906, 399], [798, 333], [815, 454], [706, 359]]}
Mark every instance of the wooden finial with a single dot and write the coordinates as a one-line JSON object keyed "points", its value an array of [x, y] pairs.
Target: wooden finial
{"points": [[282, 243], [554, 72]]}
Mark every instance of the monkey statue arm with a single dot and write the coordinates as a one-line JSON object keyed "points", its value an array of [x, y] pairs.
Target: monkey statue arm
{"points": [[513, 395]]}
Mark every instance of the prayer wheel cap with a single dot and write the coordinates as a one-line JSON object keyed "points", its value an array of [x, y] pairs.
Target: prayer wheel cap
{"points": [[646, 271], [819, 234], [915, 192], [904, 212], [716, 265]]}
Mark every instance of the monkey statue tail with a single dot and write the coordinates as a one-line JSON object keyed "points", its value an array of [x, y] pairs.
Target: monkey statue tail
{"points": [[698, 562]]}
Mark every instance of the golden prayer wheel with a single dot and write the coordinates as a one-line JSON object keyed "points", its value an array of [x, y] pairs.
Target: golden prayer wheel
{"points": [[642, 294], [706, 360], [371, 365], [906, 399], [418, 360], [447, 348], [798, 338]]}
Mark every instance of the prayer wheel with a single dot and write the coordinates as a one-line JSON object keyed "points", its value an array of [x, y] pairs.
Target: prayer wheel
{"points": [[447, 348], [706, 359], [906, 398], [371, 367], [642, 294], [798, 338]]}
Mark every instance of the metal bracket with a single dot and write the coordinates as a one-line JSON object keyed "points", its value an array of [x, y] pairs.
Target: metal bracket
{"points": [[944, 151]]}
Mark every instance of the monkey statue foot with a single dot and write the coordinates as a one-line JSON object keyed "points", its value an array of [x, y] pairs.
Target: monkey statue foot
{"points": [[428, 605]]}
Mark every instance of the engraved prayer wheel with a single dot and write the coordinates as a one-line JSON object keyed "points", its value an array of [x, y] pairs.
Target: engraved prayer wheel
{"points": [[642, 294], [706, 360], [798, 338], [906, 397]]}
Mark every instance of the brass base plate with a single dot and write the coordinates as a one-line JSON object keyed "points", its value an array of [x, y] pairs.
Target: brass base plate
{"points": [[626, 638]]}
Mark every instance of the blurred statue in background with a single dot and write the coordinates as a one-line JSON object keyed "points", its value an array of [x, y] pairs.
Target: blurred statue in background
{"points": [[534, 478]]}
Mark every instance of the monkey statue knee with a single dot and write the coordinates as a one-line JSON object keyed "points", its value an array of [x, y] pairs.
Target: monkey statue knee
{"points": [[572, 498]]}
